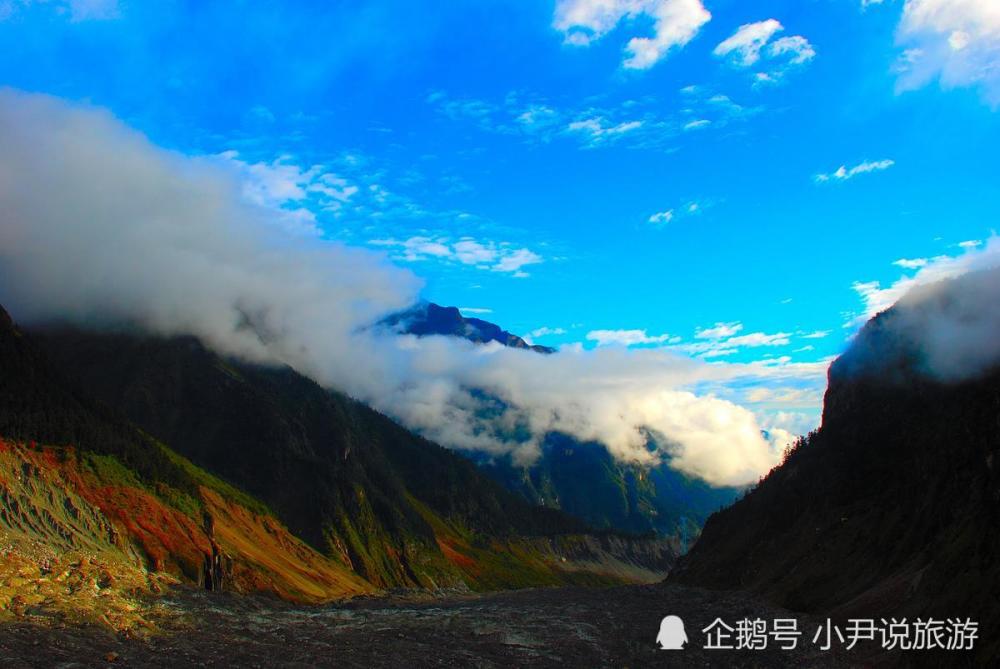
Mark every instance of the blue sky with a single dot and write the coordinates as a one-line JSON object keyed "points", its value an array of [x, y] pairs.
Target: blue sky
{"points": [[530, 168]]}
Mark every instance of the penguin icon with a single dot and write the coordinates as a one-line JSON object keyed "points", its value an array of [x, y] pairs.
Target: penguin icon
{"points": [[672, 635]]}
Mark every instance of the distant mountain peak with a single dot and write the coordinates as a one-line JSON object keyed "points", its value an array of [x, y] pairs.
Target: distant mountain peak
{"points": [[426, 319]]}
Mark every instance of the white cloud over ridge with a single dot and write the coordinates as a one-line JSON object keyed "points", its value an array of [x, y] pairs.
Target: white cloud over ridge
{"points": [[950, 309], [675, 23], [877, 298], [102, 228]]}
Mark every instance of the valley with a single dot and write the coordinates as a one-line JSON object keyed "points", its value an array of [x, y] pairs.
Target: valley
{"points": [[553, 627]]}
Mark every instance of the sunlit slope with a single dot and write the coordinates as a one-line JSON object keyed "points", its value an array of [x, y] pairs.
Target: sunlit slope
{"points": [[56, 502], [100, 487]]}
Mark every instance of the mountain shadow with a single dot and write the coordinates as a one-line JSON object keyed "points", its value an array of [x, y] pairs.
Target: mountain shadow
{"points": [[890, 509]]}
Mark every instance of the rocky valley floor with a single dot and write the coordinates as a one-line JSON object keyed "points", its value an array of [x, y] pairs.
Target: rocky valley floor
{"points": [[574, 627]]}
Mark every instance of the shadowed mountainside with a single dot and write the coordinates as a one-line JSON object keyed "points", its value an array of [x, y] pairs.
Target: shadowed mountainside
{"points": [[584, 480], [394, 508], [890, 509]]}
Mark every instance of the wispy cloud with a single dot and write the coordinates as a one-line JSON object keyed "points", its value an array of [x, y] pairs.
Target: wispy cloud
{"points": [[627, 337], [719, 331], [486, 255], [631, 123], [546, 332], [598, 130], [662, 218], [844, 173], [286, 186], [697, 124]]}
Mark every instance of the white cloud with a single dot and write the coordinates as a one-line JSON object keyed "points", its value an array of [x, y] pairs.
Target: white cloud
{"points": [[537, 116], [675, 23], [844, 173], [546, 332], [472, 252], [487, 255], [636, 123], [910, 263], [790, 423], [751, 44], [626, 337], [956, 42], [723, 340], [598, 130], [662, 217], [513, 261], [797, 48], [719, 331], [284, 185], [755, 339], [475, 310], [746, 43], [818, 334], [786, 396], [697, 124]]}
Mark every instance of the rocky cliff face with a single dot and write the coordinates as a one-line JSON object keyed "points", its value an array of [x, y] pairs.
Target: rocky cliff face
{"points": [[890, 509]]}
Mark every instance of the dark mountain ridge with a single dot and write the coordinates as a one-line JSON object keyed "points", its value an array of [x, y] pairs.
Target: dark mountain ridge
{"points": [[890, 509], [428, 318]]}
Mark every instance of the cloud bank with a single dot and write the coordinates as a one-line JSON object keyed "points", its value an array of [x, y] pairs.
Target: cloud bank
{"points": [[101, 228]]}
